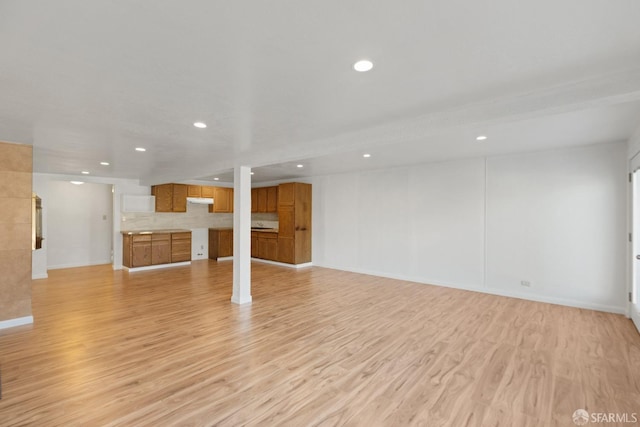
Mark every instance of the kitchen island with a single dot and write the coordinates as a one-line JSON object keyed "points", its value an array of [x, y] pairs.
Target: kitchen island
{"points": [[155, 248]]}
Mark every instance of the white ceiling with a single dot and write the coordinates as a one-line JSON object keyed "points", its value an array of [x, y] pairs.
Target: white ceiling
{"points": [[86, 82]]}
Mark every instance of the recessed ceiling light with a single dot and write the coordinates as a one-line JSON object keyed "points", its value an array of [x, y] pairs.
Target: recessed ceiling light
{"points": [[104, 163], [216, 179], [85, 172], [77, 182], [140, 149], [300, 166], [251, 173], [366, 156], [200, 125], [481, 138], [362, 66]]}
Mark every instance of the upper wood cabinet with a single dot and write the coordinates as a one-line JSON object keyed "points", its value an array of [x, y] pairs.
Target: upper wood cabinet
{"points": [[287, 194], [200, 191], [222, 200], [207, 191], [179, 198], [173, 197], [170, 197], [194, 191], [264, 199], [254, 200]]}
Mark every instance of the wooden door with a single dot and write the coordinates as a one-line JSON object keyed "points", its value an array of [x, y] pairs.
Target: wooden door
{"points": [[179, 197]]}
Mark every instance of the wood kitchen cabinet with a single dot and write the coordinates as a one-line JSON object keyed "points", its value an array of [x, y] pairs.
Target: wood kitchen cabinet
{"points": [[170, 197], [264, 199], [181, 247], [222, 200], [267, 246], [294, 217], [160, 248], [194, 191], [220, 243], [200, 191], [141, 251], [254, 200], [254, 244], [155, 248], [207, 191]]}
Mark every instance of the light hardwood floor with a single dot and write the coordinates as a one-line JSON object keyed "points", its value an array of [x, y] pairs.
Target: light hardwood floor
{"points": [[316, 347]]}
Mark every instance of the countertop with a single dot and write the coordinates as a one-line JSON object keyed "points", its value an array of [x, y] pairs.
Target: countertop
{"points": [[177, 230], [259, 230]]}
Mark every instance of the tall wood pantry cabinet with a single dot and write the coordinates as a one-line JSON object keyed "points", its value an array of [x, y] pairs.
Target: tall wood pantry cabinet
{"points": [[294, 217]]}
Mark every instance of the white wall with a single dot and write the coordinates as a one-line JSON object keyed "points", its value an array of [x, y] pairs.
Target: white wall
{"points": [[554, 218], [80, 219]]}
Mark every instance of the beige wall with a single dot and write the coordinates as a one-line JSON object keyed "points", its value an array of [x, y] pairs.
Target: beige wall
{"points": [[15, 230]]}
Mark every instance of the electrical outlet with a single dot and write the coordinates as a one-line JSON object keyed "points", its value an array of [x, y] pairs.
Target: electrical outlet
{"points": [[525, 283]]}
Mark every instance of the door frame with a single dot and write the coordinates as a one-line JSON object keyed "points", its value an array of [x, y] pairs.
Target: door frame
{"points": [[633, 306]]}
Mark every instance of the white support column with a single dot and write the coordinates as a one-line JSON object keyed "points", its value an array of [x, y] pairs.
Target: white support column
{"points": [[241, 235]]}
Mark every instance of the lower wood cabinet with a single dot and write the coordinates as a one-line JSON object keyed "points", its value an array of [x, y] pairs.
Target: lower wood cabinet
{"points": [[268, 246], [160, 248], [254, 244], [286, 250], [141, 250], [220, 242], [180, 247]]}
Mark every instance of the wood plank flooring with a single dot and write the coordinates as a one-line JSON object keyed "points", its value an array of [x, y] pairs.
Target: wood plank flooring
{"points": [[316, 347]]}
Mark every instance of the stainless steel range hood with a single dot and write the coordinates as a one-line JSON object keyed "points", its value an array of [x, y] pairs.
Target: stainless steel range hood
{"points": [[200, 200]]}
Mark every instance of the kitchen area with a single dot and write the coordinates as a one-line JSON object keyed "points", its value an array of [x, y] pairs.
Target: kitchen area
{"points": [[180, 223]]}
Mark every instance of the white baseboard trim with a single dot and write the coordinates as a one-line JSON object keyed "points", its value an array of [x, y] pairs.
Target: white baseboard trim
{"points": [[39, 276], [74, 265], [282, 264], [157, 266], [492, 291], [237, 300], [225, 258], [19, 321], [635, 317]]}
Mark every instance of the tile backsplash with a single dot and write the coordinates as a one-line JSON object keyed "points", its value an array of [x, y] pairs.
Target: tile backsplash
{"points": [[197, 216]]}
